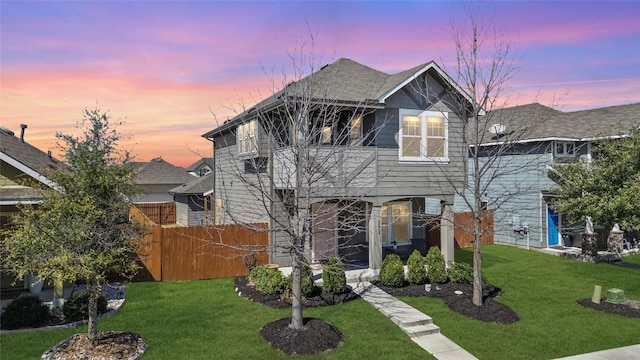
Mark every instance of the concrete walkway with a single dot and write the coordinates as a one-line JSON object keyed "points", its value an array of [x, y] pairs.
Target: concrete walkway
{"points": [[417, 325], [622, 353]]}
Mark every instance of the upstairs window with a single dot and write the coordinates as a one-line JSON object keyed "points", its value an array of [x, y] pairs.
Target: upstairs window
{"points": [[423, 135], [564, 149], [355, 132], [247, 138]]}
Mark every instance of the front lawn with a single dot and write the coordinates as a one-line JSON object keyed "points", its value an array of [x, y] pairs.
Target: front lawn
{"points": [[543, 290], [208, 320], [632, 259]]}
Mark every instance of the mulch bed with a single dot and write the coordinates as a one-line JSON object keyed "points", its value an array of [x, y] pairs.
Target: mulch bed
{"points": [[319, 298], [625, 309], [490, 311], [317, 337], [112, 345]]}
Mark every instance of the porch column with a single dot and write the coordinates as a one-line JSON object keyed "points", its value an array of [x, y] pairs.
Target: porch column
{"points": [[446, 232], [375, 239]]}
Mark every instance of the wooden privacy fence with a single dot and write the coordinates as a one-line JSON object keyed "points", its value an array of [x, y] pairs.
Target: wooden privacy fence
{"points": [[199, 252], [463, 228], [159, 213]]}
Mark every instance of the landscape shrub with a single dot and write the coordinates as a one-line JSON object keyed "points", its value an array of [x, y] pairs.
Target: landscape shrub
{"points": [[77, 306], [306, 275], [25, 311], [416, 268], [267, 280], [436, 269], [392, 271], [333, 277], [461, 273]]}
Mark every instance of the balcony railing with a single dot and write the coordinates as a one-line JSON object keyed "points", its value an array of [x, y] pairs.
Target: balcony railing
{"points": [[323, 167]]}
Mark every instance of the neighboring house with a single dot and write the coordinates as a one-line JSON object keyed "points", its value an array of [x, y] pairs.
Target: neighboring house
{"points": [[156, 178], [390, 171], [201, 167], [526, 217], [194, 202], [20, 162]]}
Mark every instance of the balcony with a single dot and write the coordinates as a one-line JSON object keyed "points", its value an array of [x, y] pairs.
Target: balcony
{"points": [[324, 167]]}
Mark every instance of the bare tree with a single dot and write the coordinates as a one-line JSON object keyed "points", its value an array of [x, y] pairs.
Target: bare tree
{"points": [[299, 161], [484, 66]]}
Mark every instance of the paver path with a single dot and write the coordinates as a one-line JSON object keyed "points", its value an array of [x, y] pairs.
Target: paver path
{"points": [[416, 324]]}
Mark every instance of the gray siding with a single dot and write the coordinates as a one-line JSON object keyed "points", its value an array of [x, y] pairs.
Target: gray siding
{"points": [[424, 178], [242, 202], [515, 196]]}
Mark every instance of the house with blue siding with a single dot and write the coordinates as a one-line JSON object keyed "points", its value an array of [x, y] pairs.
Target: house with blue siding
{"points": [[384, 144], [525, 215]]}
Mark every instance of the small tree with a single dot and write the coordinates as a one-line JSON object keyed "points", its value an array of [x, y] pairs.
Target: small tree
{"points": [[436, 269], [82, 229], [416, 268], [483, 66], [333, 277], [607, 188]]}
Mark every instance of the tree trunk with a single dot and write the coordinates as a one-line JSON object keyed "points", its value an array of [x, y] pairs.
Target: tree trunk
{"points": [[296, 289], [92, 331], [477, 260]]}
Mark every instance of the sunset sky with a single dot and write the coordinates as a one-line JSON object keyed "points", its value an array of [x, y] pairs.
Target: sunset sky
{"points": [[166, 68]]}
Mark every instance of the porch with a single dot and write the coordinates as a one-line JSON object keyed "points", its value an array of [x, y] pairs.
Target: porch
{"points": [[362, 233]]}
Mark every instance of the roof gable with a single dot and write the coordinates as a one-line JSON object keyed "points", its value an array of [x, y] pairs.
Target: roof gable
{"points": [[344, 81], [27, 158]]}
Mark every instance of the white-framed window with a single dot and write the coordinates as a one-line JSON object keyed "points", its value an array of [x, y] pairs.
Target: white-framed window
{"points": [[395, 219], [355, 132], [247, 138], [423, 135], [564, 149]]}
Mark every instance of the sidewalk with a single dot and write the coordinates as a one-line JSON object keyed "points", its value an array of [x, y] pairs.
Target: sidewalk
{"points": [[623, 353]]}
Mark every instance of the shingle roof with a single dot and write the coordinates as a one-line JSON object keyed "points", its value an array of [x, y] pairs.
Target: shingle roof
{"points": [[198, 186], [342, 81], [159, 171], [207, 160], [578, 125], [27, 154]]}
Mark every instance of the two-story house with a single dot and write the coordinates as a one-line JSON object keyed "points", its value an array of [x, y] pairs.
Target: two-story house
{"points": [[362, 148], [526, 216]]}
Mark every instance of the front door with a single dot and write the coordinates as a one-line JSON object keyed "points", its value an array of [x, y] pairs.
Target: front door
{"points": [[324, 232], [552, 223]]}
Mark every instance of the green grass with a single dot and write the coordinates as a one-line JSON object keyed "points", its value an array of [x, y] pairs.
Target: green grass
{"points": [[543, 290], [207, 320], [632, 259]]}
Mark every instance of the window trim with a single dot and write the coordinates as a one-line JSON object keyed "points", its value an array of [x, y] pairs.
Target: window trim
{"points": [[423, 115]]}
